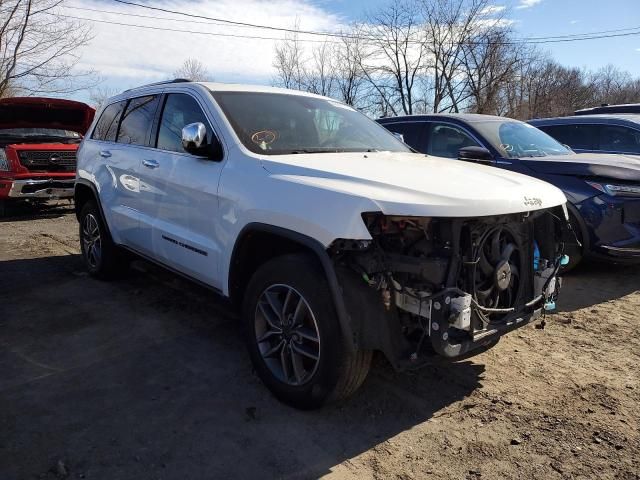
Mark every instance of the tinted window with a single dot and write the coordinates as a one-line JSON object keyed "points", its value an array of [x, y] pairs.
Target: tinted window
{"points": [[446, 140], [179, 110], [280, 124], [619, 139], [411, 132], [516, 139], [580, 137], [107, 127], [136, 121]]}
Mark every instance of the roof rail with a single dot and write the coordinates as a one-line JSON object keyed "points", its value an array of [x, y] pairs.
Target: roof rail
{"points": [[164, 82], [605, 108]]}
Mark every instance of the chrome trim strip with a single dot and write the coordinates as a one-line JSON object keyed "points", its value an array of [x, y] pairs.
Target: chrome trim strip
{"points": [[635, 251]]}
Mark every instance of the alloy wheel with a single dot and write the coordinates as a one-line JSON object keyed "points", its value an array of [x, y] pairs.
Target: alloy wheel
{"points": [[287, 334], [91, 240]]}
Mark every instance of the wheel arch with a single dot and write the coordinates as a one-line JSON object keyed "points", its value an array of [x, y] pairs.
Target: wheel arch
{"points": [[258, 243], [85, 191], [584, 231]]}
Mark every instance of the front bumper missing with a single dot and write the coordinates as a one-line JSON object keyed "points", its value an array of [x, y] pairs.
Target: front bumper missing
{"points": [[424, 288], [444, 343], [376, 327], [546, 288], [41, 189]]}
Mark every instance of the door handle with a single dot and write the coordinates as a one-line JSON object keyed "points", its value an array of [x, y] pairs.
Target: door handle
{"points": [[150, 163], [105, 153]]}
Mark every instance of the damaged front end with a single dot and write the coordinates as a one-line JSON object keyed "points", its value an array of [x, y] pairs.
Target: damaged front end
{"points": [[448, 285]]}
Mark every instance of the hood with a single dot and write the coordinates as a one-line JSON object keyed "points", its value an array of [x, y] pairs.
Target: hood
{"points": [[619, 167], [36, 112], [417, 185]]}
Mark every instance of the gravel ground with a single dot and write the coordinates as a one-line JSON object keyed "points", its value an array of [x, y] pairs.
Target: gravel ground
{"points": [[147, 378]]}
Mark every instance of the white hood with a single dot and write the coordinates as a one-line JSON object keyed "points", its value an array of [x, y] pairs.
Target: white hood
{"points": [[417, 185]]}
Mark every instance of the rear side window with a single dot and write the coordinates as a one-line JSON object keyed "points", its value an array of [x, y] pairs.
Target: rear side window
{"points": [[137, 119], [614, 138], [179, 110], [412, 132], [579, 137], [107, 126]]}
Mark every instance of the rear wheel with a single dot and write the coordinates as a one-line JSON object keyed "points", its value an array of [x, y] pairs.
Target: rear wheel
{"points": [[101, 256], [294, 338]]}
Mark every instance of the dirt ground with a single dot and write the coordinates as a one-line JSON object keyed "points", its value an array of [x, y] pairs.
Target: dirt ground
{"points": [[147, 378]]}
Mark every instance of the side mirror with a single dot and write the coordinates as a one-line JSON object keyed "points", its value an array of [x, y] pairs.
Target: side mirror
{"points": [[194, 141], [475, 154]]}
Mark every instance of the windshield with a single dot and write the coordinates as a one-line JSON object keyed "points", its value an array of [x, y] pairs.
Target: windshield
{"points": [[517, 139], [39, 132], [278, 124]]}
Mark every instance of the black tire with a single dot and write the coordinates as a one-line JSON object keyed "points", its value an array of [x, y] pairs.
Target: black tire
{"points": [[337, 373], [3, 208], [575, 251], [103, 258]]}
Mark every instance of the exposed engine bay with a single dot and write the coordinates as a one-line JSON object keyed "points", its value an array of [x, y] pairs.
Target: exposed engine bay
{"points": [[449, 285]]}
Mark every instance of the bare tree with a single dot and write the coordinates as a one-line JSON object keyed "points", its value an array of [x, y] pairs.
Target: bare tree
{"points": [[542, 88], [489, 62], [320, 76], [350, 78], [450, 25], [289, 63], [397, 57], [194, 70], [613, 86], [99, 95], [38, 48], [445, 55]]}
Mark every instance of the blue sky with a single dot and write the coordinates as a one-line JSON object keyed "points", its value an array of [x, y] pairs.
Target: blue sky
{"points": [[558, 17], [125, 57]]}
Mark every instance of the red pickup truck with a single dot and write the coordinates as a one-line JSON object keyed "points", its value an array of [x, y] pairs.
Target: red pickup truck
{"points": [[39, 138]]}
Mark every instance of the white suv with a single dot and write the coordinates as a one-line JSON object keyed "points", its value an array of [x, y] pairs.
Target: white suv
{"points": [[333, 238]]}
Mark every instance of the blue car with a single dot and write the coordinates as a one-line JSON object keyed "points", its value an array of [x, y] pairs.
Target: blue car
{"points": [[595, 133], [608, 109], [603, 190]]}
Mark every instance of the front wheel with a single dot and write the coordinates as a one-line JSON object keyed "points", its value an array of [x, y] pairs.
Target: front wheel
{"points": [[294, 337]]}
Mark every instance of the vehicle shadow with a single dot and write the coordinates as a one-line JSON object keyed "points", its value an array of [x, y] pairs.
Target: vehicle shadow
{"points": [[22, 212], [592, 283], [147, 377]]}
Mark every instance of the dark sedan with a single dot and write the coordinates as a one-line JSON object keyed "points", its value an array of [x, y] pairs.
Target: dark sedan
{"points": [[603, 190], [595, 133]]}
